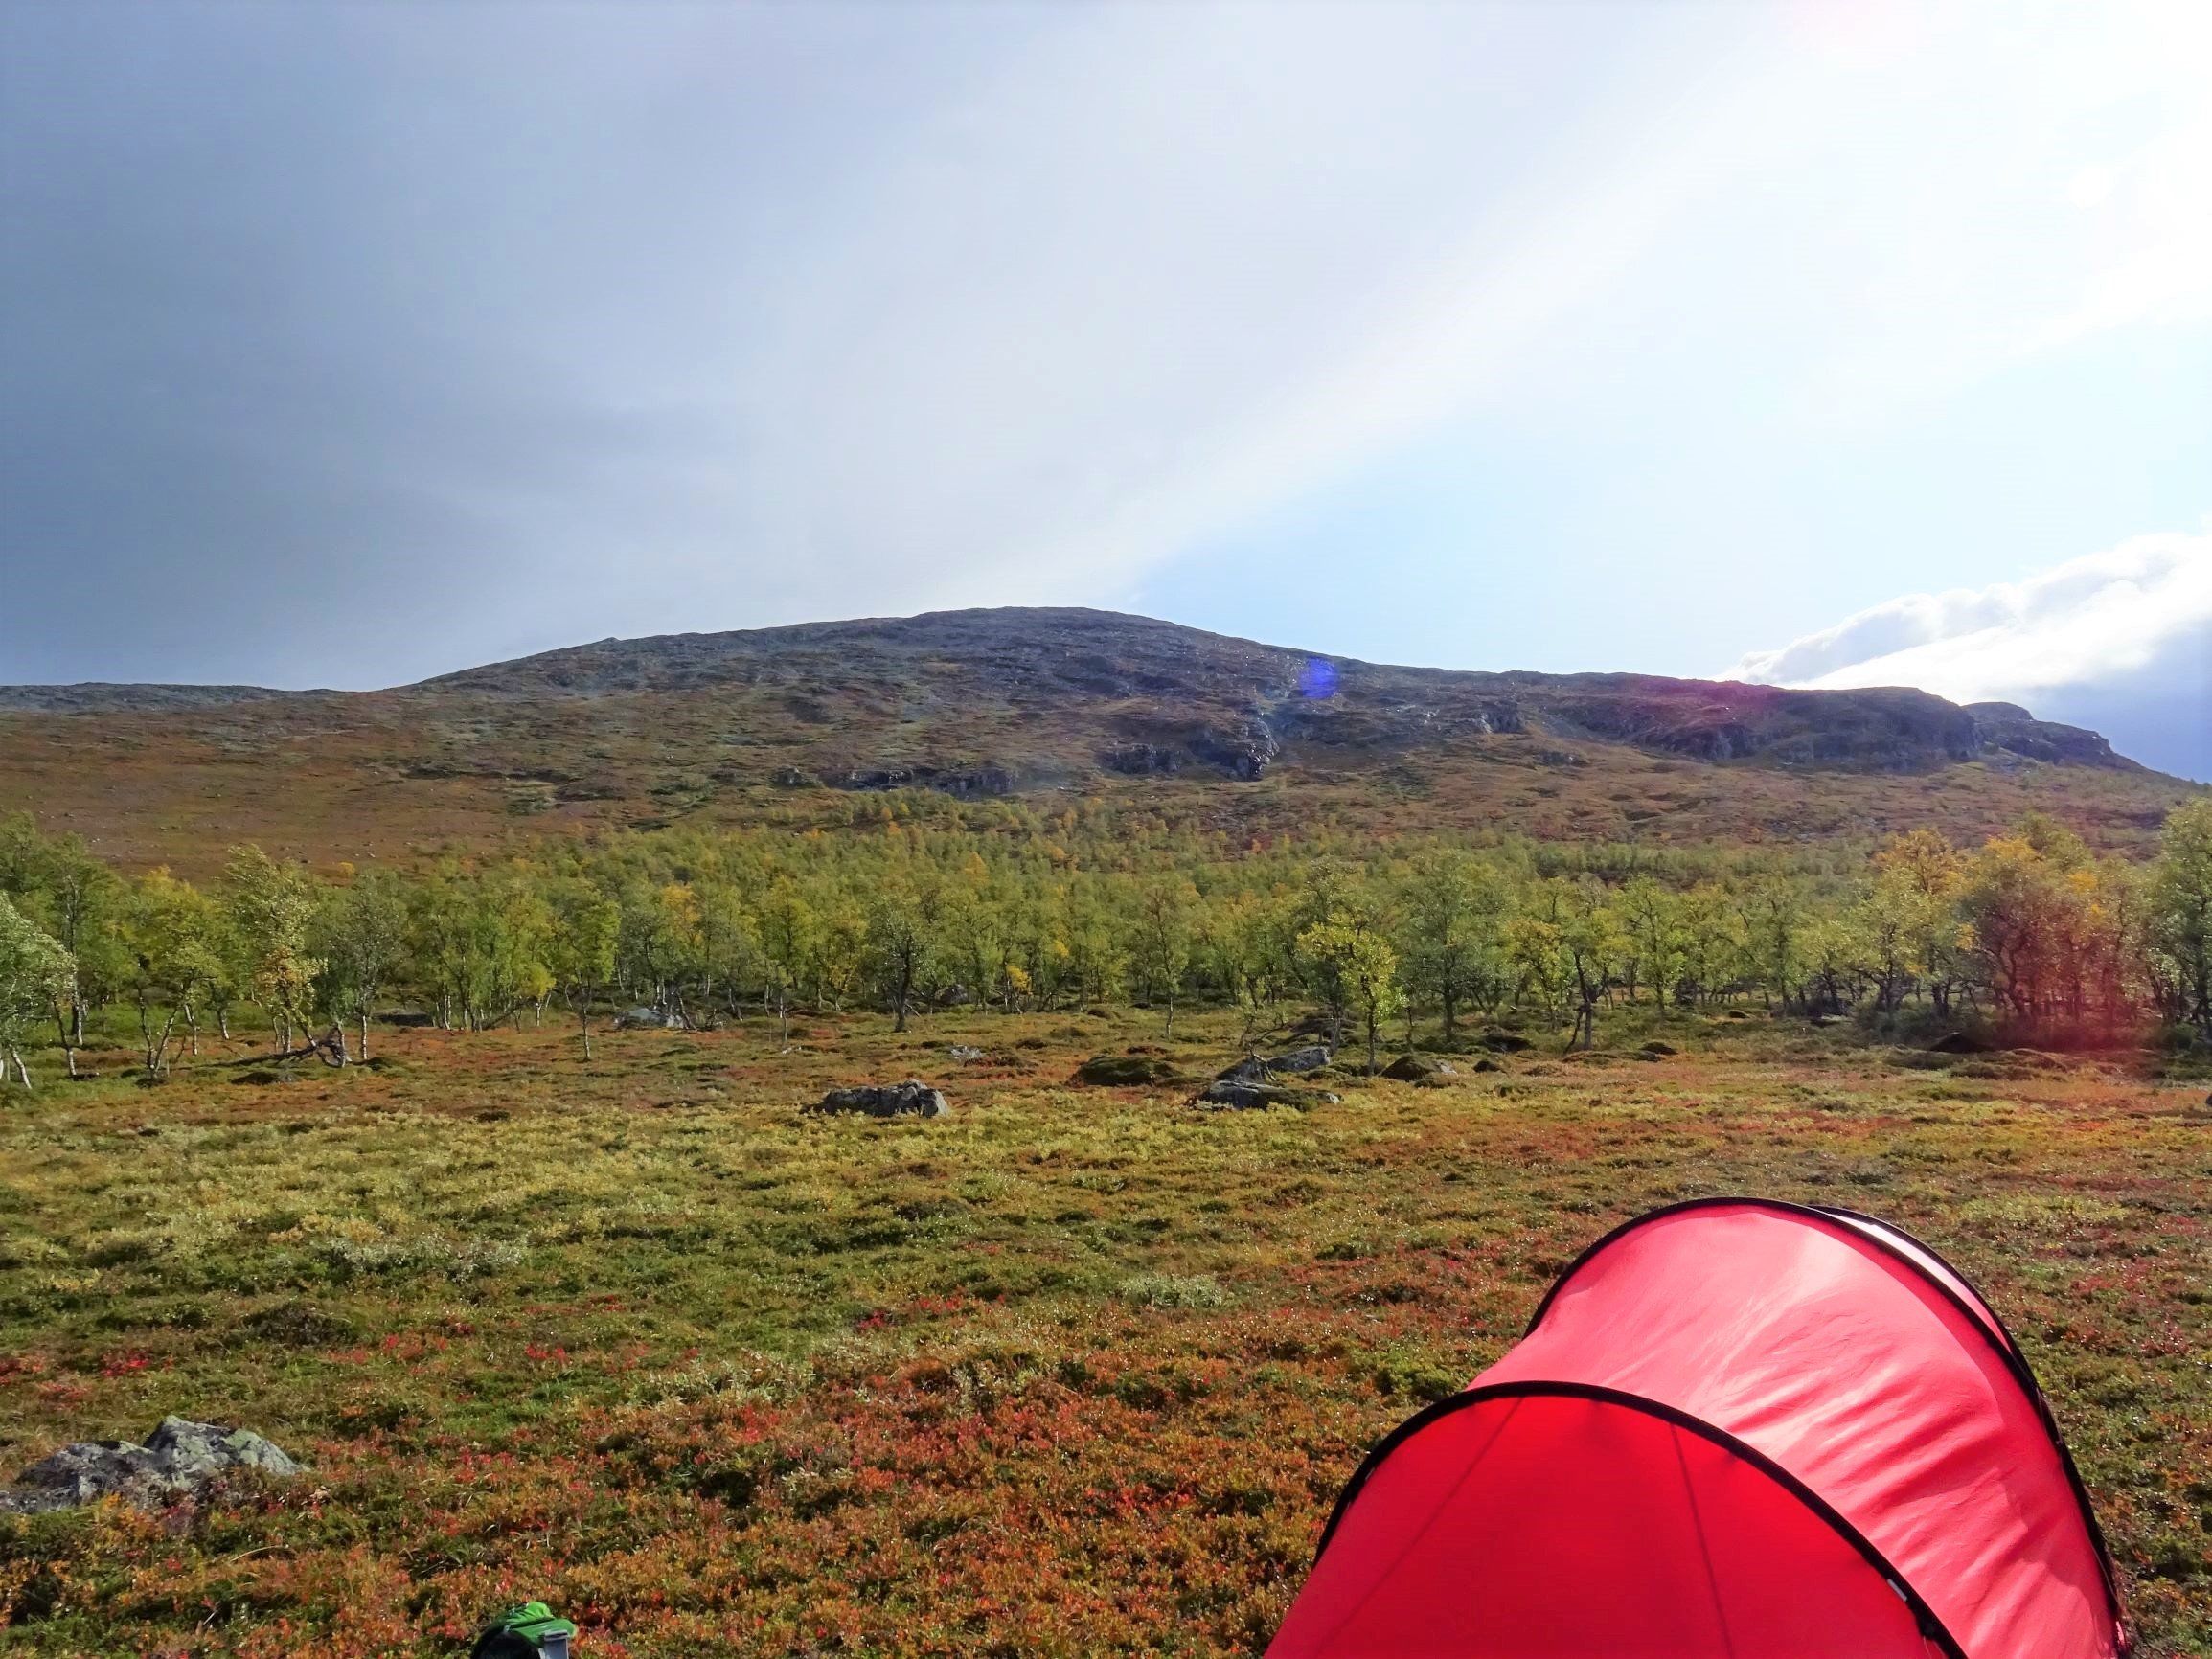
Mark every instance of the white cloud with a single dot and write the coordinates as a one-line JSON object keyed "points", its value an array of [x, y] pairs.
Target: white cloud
{"points": [[2122, 637], [2090, 620]]}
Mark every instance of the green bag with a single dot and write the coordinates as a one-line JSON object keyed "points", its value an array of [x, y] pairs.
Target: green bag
{"points": [[529, 1631]]}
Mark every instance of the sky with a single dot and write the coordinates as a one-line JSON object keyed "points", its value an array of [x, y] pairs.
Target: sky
{"points": [[1822, 343]]}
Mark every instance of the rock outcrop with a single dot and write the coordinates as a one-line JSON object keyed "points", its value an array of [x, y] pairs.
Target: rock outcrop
{"points": [[1225, 1095], [1259, 1068], [1416, 1069], [179, 1460], [1123, 1071], [911, 1099]]}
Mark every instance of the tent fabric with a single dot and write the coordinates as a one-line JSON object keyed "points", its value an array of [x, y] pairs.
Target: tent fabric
{"points": [[1734, 1428]]}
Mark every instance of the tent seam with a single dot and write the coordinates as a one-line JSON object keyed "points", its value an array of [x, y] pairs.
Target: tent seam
{"points": [[1930, 1625]]}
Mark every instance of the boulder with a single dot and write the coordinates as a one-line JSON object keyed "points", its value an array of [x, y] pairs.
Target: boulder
{"points": [[179, 1460], [648, 1020], [1123, 1071], [1416, 1068], [1258, 1068], [911, 1099], [966, 1053], [1658, 1051], [1958, 1042], [1223, 1095], [1488, 1065], [1504, 1042]]}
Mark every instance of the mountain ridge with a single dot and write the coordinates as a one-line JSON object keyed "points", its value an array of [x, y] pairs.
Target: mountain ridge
{"points": [[780, 724], [1995, 727]]}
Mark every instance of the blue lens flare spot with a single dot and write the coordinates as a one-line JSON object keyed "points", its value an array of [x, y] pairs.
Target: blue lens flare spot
{"points": [[1317, 679]]}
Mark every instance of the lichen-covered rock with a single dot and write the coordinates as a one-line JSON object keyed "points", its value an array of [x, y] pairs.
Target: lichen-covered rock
{"points": [[965, 1052], [1123, 1071], [1416, 1069], [911, 1099], [180, 1458], [1258, 1068], [1228, 1094]]}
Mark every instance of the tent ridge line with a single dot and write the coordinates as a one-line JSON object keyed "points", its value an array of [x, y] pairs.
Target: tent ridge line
{"points": [[2000, 1339], [1930, 1625], [2017, 1360]]}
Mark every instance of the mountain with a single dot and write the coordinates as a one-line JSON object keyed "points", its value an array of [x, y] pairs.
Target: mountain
{"points": [[787, 724]]}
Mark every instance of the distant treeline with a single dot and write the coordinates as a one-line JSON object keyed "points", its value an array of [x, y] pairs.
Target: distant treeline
{"points": [[910, 910]]}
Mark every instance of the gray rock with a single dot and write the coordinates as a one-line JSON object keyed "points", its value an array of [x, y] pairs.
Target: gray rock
{"points": [[965, 1054], [1258, 1068], [1123, 1071], [911, 1099], [1246, 1097], [649, 1020], [179, 1460], [1241, 751], [1416, 1068]]}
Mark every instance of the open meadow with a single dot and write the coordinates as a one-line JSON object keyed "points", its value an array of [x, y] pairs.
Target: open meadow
{"points": [[1069, 1370]]}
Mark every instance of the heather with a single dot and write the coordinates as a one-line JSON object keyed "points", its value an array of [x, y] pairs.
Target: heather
{"points": [[488, 1188], [1070, 1371]]}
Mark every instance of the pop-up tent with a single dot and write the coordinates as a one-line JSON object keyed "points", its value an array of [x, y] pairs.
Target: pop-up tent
{"points": [[1735, 1429]]}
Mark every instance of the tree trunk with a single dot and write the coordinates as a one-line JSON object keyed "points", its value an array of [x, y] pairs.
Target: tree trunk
{"points": [[1168, 1034], [584, 1024], [21, 1070], [364, 1014], [1371, 1024]]}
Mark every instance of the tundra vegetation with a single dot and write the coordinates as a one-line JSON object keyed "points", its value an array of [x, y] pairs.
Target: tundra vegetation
{"points": [[482, 1187]]}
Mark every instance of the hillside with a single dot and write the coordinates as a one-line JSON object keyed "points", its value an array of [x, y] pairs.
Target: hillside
{"points": [[788, 723]]}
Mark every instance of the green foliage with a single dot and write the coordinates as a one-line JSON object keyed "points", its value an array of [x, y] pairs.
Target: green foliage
{"points": [[2181, 910], [917, 912], [36, 974], [272, 907]]}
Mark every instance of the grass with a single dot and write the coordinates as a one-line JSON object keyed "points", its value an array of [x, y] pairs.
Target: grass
{"points": [[1071, 1371]]}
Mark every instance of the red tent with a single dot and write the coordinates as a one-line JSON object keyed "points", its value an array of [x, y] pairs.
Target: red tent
{"points": [[1735, 1429]]}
